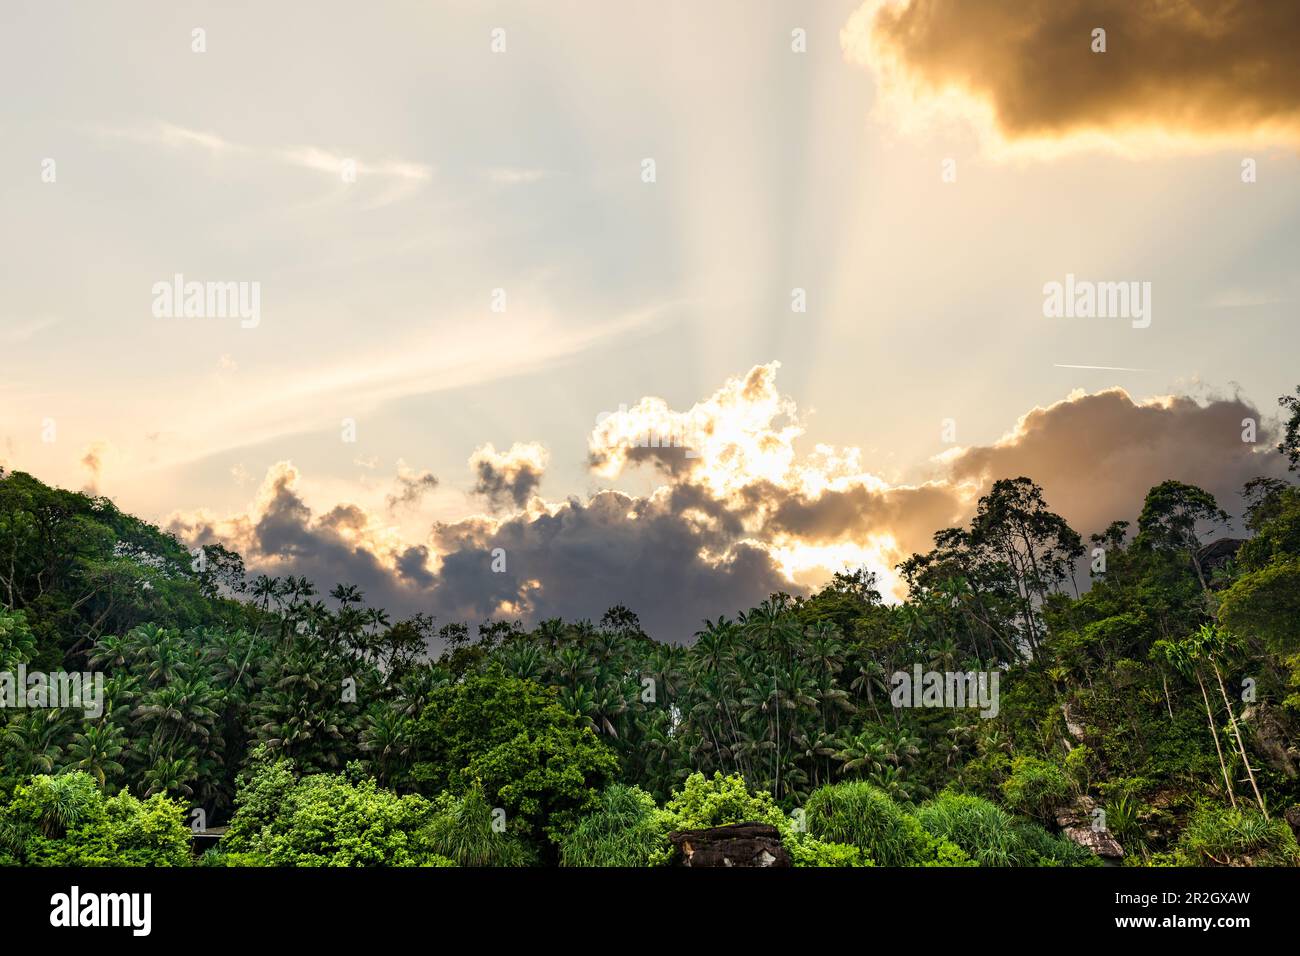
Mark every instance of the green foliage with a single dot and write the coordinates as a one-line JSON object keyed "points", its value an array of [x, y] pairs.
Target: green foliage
{"points": [[325, 820], [983, 830], [857, 813], [1266, 603], [812, 852], [1221, 836], [461, 833], [627, 829], [542, 764], [17, 643], [66, 820], [993, 837], [1035, 787], [1040, 848]]}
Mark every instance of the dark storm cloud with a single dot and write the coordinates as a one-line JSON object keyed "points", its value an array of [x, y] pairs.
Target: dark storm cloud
{"points": [[685, 553], [613, 549], [909, 515], [510, 477]]}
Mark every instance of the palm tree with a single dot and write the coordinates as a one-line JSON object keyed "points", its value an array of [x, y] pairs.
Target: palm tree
{"points": [[774, 631], [96, 749], [170, 776], [863, 752], [34, 740], [386, 737]]}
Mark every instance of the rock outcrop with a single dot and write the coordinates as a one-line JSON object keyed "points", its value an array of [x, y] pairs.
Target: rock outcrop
{"points": [[1272, 738], [740, 844], [1079, 823]]}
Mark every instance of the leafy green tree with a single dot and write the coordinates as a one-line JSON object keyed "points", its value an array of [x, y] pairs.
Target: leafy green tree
{"points": [[542, 764]]}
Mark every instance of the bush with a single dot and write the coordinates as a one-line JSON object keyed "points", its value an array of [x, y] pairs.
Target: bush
{"points": [[993, 837], [626, 830], [704, 803], [814, 852], [1221, 836], [859, 815], [461, 833], [322, 820], [1035, 787], [1043, 849], [66, 820], [260, 795]]}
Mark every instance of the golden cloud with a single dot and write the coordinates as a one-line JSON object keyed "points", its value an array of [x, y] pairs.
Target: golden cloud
{"points": [[1180, 74]]}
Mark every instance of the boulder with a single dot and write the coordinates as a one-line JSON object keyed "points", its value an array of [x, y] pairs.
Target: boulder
{"points": [[740, 844], [1293, 819], [1215, 555], [1272, 738], [1076, 821]]}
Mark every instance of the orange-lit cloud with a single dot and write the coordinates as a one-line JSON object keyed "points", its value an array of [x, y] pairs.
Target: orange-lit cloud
{"points": [[1176, 74]]}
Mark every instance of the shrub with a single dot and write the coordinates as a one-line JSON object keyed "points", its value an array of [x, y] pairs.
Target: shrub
{"points": [[858, 814], [1226, 837], [461, 832], [993, 837], [66, 820], [1041, 848], [322, 820], [703, 803], [260, 795], [626, 830], [982, 829], [1035, 787]]}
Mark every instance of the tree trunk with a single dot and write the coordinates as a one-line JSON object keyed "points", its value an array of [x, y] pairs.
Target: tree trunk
{"points": [[1236, 732], [1209, 716]]}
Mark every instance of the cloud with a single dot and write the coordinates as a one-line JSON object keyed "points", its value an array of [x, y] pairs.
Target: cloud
{"points": [[411, 486], [401, 176], [509, 477], [511, 176], [281, 534], [92, 459], [744, 431], [1097, 455], [584, 557], [1175, 73], [753, 515]]}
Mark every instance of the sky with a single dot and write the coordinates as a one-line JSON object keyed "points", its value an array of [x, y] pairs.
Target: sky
{"points": [[498, 248]]}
